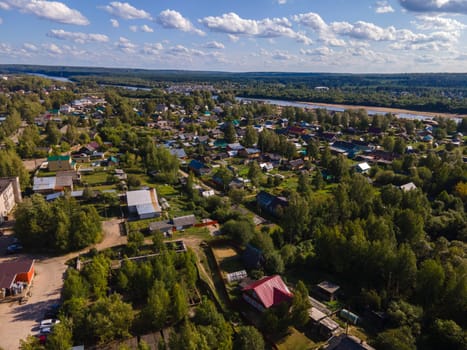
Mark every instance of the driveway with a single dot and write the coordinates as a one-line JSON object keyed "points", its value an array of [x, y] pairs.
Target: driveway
{"points": [[17, 321]]}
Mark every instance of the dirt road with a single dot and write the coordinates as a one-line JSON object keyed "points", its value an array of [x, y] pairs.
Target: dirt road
{"points": [[17, 321]]}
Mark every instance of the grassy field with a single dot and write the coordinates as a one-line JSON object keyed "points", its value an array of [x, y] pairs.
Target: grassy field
{"points": [[228, 259], [296, 340]]}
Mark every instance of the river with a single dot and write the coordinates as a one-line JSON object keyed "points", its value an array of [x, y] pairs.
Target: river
{"points": [[51, 77], [332, 108]]}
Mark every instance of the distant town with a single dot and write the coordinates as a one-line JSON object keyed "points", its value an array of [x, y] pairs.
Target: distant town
{"points": [[214, 215]]}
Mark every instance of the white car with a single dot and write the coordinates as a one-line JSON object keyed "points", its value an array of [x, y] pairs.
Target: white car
{"points": [[48, 324]]}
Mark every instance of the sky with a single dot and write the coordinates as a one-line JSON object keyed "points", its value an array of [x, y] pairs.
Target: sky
{"points": [[345, 36]]}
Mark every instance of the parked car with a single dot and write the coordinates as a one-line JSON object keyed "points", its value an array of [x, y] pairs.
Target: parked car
{"points": [[14, 248], [49, 322], [42, 338]]}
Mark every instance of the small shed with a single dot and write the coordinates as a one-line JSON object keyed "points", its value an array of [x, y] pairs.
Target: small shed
{"points": [[183, 222], [363, 168], [408, 187], [327, 290], [163, 226]]}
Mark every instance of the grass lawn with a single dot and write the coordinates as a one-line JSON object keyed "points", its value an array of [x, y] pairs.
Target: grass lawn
{"points": [[227, 258], [296, 340], [95, 178], [166, 191]]}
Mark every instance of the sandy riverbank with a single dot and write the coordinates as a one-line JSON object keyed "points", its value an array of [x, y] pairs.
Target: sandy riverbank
{"points": [[388, 110]]}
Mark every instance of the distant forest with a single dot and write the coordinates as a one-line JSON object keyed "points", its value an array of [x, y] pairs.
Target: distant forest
{"points": [[430, 92]]}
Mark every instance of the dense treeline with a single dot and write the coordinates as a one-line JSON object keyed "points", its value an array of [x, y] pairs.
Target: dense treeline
{"points": [[59, 226], [147, 295]]}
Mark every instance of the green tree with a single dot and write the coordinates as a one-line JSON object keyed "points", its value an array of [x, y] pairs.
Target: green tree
{"points": [[11, 165], [296, 218], [109, 318], [74, 286], [249, 338], [395, 339], [254, 173], [430, 281], [179, 303], [251, 136], [53, 133], [62, 337], [230, 134], [97, 274], [300, 305], [30, 343], [158, 304], [447, 334]]}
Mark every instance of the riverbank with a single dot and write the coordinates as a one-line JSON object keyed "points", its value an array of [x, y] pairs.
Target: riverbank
{"points": [[385, 110]]}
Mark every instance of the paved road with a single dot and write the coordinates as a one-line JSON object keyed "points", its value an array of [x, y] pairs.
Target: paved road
{"points": [[17, 321]]}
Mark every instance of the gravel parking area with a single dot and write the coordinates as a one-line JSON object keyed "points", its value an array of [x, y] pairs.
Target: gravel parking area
{"points": [[17, 321]]}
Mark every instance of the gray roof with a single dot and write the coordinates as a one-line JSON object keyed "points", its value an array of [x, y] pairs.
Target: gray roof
{"points": [[329, 287], [44, 183], [145, 201], [184, 220], [163, 226]]}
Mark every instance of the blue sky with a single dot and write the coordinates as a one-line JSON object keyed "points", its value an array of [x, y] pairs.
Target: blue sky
{"points": [[355, 36]]}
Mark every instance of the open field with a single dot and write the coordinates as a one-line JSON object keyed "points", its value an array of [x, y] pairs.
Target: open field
{"points": [[228, 259], [296, 340]]}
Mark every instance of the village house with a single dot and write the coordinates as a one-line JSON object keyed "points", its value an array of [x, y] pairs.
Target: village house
{"points": [[56, 163], [14, 275], [266, 293], [143, 203], [10, 195], [165, 227], [198, 168], [184, 222], [271, 204]]}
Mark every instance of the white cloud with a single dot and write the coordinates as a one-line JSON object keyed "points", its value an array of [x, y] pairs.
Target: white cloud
{"points": [[126, 45], [312, 20], [144, 28], [364, 30], [453, 6], [282, 56], [147, 29], [438, 23], [233, 38], [51, 10], [231, 23], [52, 49], [152, 48], [30, 47], [172, 19], [114, 23], [320, 51], [126, 11], [77, 37], [317, 24], [282, 2], [383, 7], [214, 45]]}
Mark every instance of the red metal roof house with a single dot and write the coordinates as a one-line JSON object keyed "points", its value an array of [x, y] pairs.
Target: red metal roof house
{"points": [[267, 292]]}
